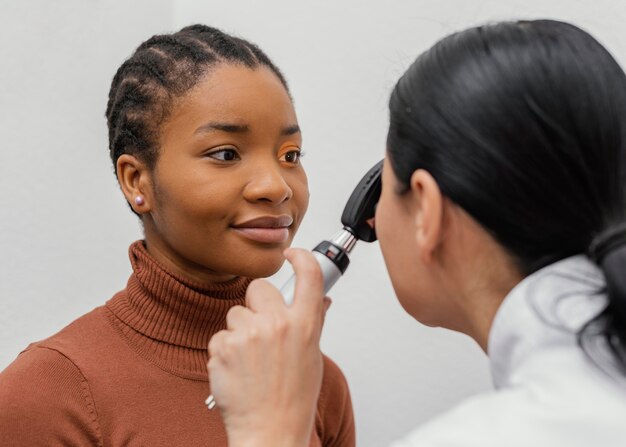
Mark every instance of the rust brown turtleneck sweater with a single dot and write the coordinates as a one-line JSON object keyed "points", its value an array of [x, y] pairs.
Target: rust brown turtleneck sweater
{"points": [[133, 372]]}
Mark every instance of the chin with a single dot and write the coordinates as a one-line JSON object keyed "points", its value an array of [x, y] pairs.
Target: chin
{"points": [[262, 273], [415, 308], [261, 268]]}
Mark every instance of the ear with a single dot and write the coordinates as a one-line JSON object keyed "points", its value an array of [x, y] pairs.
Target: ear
{"points": [[134, 178], [428, 210]]}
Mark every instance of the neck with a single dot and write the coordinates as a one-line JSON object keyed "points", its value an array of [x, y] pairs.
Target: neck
{"points": [[166, 255], [479, 305], [477, 281], [170, 319]]}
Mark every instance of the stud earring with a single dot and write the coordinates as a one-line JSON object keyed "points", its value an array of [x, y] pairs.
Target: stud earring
{"points": [[139, 200]]}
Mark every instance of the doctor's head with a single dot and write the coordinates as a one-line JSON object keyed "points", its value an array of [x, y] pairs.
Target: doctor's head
{"points": [[506, 152], [206, 147]]}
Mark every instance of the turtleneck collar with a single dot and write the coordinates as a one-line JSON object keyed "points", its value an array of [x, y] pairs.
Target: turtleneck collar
{"points": [[545, 310], [170, 319]]}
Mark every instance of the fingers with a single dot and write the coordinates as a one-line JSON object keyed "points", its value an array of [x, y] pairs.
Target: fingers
{"points": [[238, 317], [216, 345], [261, 296], [309, 290], [267, 365]]}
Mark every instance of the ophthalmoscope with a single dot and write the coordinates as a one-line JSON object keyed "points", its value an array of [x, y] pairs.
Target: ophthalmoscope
{"points": [[332, 254]]}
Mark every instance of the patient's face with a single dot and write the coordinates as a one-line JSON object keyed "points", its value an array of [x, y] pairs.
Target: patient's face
{"points": [[229, 188]]}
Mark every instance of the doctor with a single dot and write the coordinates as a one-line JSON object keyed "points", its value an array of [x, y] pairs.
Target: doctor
{"points": [[502, 216]]}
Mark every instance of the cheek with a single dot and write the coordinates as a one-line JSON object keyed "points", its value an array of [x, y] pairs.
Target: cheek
{"points": [[390, 230], [400, 252], [300, 188], [392, 227], [190, 204]]}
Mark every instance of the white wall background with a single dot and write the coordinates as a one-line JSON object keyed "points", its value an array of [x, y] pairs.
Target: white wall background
{"points": [[64, 227]]}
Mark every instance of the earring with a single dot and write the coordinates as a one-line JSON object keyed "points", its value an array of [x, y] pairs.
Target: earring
{"points": [[139, 200]]}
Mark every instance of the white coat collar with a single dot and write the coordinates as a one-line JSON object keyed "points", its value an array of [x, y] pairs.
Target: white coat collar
{"points": [[545, 309]]}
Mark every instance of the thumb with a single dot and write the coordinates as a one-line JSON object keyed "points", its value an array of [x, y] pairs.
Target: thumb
{"points": [[309, 290]]}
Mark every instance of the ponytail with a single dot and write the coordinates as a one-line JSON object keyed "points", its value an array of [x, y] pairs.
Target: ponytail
{"points": [[608, 250]]}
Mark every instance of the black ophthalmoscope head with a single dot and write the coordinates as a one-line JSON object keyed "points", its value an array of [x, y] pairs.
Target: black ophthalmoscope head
{"points": [[359, 209], [362, 203]]}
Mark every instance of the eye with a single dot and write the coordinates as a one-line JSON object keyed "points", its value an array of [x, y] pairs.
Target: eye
{"points": [[292, 157], [224, 154]]}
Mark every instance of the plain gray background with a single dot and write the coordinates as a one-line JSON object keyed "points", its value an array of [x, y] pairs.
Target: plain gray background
{"points": [[64, 226]]}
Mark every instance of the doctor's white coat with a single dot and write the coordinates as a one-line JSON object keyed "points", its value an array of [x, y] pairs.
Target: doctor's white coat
{"points": [[548, 392]]}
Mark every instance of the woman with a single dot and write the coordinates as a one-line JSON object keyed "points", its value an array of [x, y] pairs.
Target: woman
{"points": [[206, 147], [502, 216]]}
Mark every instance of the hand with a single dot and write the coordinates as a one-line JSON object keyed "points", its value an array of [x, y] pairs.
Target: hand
{"points": [[266, 367]]}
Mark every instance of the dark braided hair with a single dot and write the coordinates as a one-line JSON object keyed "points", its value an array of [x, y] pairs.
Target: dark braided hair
{"points": [[163, 68]]}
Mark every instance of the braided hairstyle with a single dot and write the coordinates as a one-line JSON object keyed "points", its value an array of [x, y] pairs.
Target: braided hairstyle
{"points": [[162, 69]]}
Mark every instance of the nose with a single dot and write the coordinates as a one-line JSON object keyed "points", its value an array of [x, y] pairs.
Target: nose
{"points": [[267, 184]]}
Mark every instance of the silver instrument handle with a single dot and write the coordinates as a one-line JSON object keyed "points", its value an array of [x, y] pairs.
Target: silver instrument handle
{"points": [[330, 272]]}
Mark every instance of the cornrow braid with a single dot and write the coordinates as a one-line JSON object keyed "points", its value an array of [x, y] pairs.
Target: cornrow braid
{"points": [[161, 69]]}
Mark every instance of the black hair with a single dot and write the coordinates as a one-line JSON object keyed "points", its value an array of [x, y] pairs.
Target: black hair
{"points": [[160, 70], [522, 125]]}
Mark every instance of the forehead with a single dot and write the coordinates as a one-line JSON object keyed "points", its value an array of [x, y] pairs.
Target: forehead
{"points": [[235, 92]]}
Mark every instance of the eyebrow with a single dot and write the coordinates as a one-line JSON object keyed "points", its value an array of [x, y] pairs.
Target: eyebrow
{"points": [[224, 127], [291, 130], [241, 128]]}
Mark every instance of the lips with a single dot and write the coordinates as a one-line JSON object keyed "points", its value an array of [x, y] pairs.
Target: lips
{"points": [[265, 229]]}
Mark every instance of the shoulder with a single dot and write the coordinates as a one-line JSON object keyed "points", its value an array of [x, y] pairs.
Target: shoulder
{"points": [[44, 397], [88, 327], [88, 342], [335, 419]]}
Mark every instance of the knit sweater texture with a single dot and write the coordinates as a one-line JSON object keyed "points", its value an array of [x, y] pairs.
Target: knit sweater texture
{"points": [[134, 372]]}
